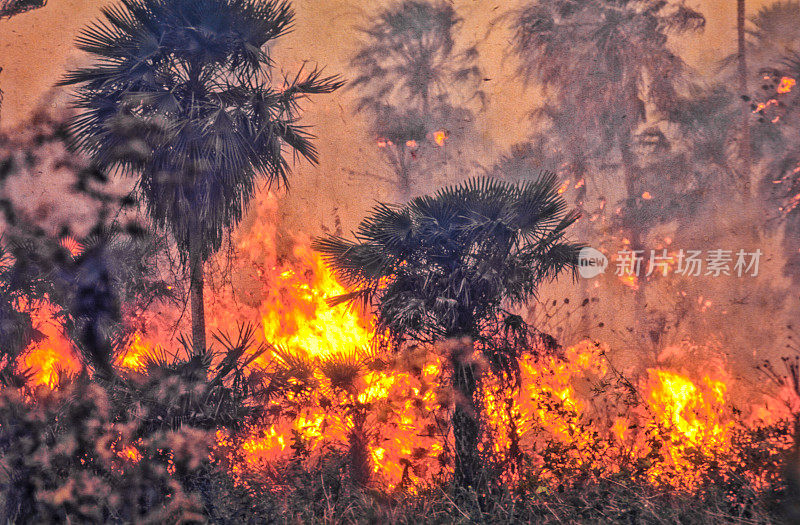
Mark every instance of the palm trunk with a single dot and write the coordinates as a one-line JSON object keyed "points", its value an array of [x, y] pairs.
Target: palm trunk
{"points": [[466, 413], [584, 228], [196, 291], [403, 172], [359, 450], [791, 476], [740, 19], [634, 230], [745, 146], [466, 428]]}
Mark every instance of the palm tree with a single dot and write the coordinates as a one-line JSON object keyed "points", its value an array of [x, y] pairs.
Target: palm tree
{"points": [[443, 266], [608, 60], [772, 33], [181, 95], [773, 51], [778, 114], [409, 71], [607, 70], [742, 72], [709, 116]]}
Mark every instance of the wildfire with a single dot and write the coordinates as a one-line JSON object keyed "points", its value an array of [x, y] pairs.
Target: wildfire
{"points": [[687, 408], [439, 137], [693, 416], [52, 354], [395, 407], [136, 352], [296, 317], [559, 401], [786, 85]]}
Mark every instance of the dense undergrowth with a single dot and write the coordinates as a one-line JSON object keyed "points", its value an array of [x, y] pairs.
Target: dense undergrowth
{"points": [[161, 445]]}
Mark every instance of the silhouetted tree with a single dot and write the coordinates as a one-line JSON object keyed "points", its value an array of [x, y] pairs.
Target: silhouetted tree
{"points": [[443, 266], [413, 79], [604, 61], [181, 95], [9, 8], [607, 70], [771, 34], [773, 48]]}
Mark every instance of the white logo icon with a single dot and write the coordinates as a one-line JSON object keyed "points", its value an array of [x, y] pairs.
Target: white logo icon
{"points": [[591, 263]]}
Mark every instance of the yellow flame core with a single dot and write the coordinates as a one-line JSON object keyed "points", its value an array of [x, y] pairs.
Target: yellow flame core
{"points": [[136, 352], [52, 355], [786, 85], [297, 317]]}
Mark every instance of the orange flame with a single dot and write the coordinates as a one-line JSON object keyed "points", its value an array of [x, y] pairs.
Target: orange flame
{"points": [[71, 244], [135, 353], [53, 354], [786, 85]]}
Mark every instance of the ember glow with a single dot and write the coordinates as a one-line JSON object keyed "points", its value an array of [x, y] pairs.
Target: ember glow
{"points": [[786, 85], [72, 245]]}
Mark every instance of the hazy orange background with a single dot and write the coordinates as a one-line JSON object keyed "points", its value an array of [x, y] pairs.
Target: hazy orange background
{"points": [[36, 48]]}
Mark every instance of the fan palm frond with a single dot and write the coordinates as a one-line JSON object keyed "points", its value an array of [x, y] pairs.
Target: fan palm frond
{"points": [[442, 263], [343, 369], [181, 95]]}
